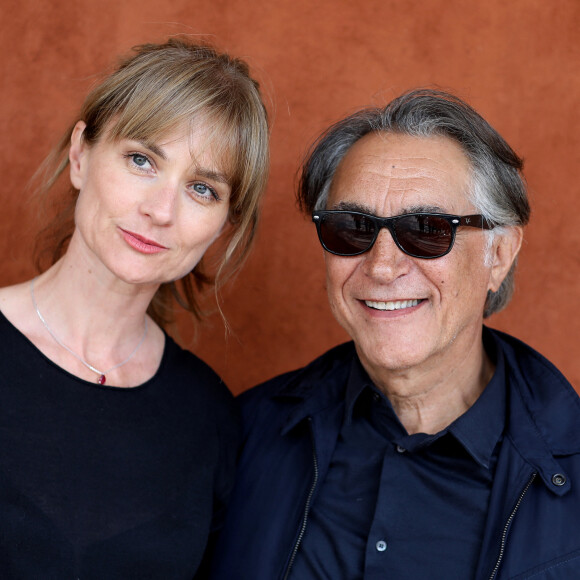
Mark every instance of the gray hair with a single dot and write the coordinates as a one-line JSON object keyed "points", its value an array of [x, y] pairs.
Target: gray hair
{"points": [[498, 189]]}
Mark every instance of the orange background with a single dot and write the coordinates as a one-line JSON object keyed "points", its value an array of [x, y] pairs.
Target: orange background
{"points": [[516, 62]]}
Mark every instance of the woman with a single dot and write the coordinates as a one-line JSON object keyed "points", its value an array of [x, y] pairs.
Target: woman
{"points": [[117, 447]]}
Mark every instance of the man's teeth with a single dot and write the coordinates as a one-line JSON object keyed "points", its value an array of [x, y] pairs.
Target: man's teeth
{"points": [[396, 305]]}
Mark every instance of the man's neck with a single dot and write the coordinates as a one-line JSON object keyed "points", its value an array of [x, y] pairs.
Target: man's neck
{"points": [[427, 399]]}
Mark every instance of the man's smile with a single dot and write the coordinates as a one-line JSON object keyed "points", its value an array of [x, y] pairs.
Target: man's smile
{"points": [[392, 305]]}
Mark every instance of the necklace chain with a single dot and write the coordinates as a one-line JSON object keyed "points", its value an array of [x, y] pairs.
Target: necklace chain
{"points": [[102, 374]]}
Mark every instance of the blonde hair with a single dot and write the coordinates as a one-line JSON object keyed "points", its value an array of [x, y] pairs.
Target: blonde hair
{"points": [[160, 88]]}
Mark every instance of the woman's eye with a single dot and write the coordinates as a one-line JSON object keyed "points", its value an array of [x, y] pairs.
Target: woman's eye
{"points": [[204, 190], [139, 160]]}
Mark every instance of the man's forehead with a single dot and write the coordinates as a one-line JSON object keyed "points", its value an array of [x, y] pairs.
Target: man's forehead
{"points": [[425, 171], [403, 155]]}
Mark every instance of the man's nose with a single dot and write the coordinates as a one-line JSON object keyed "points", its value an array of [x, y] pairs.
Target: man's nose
{"points": [[160, 203], [385, 260]]}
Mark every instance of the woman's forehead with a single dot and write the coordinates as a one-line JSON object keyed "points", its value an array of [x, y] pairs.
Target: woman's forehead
{"points": [[207, 139]]}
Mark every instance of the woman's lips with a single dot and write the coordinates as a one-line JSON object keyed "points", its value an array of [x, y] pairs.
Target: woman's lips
{"points": [[141, 244]]}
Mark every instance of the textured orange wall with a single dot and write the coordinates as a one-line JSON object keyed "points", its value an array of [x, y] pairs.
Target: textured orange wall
{"points": [[516, 62]]}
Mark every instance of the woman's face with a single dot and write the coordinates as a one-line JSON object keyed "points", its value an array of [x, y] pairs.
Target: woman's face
{"points": [[148, 211]]}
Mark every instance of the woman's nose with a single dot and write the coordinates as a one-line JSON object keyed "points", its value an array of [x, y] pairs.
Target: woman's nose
{"points": [[160, 203]]}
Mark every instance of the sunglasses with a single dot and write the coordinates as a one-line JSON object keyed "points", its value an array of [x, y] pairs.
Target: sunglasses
{"points": [[420, 235]]}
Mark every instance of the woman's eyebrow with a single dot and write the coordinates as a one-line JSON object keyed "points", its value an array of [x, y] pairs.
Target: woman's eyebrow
{"points": [[201, 171], [213, 175], [153, 148]]}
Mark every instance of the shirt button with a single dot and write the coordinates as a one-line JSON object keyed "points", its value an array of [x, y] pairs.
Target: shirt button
{"points": [[381, 546], [559, 479], [400, 449]]}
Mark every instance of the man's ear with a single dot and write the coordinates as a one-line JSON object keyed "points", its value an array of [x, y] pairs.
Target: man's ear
{"points": [[76, 153], [504, 251]]}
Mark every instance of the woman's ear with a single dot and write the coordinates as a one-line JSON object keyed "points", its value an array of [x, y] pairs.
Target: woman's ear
{"points": [[76, 155], [504, 251]]}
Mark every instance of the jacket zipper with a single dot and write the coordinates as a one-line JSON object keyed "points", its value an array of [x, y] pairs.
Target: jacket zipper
{"points": [[306, 506], [507, 526]]}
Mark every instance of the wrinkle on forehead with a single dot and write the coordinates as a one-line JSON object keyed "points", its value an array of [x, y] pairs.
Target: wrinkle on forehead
{"points": [[396, 167], [407, 180]]}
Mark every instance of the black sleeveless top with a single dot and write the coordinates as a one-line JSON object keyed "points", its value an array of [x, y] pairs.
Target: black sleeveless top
{"points": [[100, 482]]}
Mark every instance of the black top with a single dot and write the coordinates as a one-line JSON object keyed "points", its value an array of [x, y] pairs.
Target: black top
{"points": [[394, 505], [107, 482]]}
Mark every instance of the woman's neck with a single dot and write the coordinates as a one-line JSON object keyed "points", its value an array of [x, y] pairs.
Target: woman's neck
{"points": [[87, 306], [76, 308]]}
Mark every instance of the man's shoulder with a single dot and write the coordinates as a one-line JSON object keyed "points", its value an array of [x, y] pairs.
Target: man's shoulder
{"points": [[527, 363], [322, 379], [539, 391], [295, 383]]}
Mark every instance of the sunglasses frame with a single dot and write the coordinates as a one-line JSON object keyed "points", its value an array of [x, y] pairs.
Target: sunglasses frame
{"points": [[454, 221]]}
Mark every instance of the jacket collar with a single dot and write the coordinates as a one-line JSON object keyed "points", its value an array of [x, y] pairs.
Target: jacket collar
{"points": [[318, 386], [543, 408], [543, 412]]}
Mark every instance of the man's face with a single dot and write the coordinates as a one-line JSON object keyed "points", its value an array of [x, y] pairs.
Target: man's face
{"points": [[405, 312]]}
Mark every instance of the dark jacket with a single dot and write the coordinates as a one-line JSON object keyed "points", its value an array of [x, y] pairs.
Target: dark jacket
{"points": [[291, 427]]}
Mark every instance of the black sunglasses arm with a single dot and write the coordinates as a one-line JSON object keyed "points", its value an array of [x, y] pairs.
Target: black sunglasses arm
{"points": [[474, 221]]}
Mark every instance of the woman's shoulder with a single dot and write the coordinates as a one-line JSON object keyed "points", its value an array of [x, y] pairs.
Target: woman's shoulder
{"points": [[185, 361], [16, 306], [184, 367], [15, 300]]}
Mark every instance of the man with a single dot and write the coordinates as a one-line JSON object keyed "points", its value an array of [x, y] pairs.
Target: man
{"points": [[430, 447]]}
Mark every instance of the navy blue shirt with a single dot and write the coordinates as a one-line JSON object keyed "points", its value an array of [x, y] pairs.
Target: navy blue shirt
{"points": [[403, 506]]}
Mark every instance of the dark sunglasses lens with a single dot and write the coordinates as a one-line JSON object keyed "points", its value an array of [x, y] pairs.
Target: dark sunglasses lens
{"points": [[346, 233], [425, 236]]}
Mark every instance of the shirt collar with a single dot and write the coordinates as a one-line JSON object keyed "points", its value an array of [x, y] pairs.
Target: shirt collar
{"points": [[481, 427], [358, 381], [478, 430]]}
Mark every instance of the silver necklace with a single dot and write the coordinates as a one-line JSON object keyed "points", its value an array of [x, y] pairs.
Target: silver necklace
{"points": [[102, 374]]}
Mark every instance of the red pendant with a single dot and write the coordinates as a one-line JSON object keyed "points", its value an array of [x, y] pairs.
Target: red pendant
{"points": [[102, 380]]}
